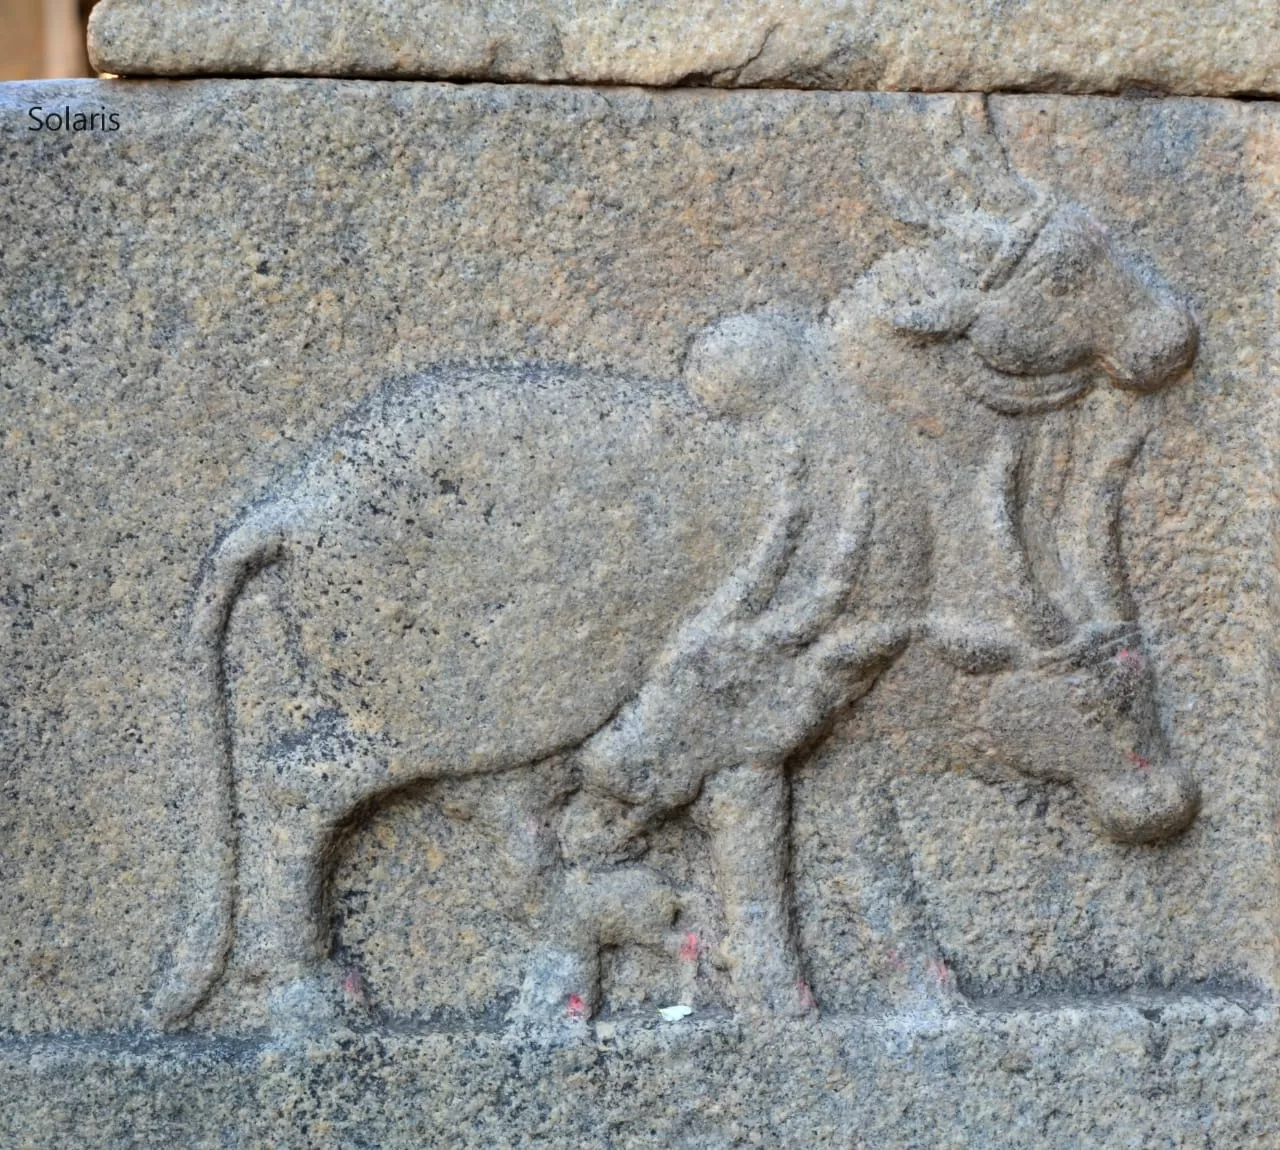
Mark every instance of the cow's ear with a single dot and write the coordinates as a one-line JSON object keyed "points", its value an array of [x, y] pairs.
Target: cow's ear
{"points": [[946, 316]]}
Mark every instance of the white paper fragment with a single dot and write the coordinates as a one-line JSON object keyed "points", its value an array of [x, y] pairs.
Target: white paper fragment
{"points": [[674, 1013]]}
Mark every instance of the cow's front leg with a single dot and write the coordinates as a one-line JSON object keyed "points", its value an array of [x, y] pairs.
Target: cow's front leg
{"points": [[746, 813]]}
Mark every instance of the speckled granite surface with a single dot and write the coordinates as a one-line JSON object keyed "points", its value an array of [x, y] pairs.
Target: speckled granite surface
{"points": [[906, 45], [1145, 1074], [481, 565]]}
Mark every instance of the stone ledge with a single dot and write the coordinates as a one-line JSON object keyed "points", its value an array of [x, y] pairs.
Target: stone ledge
{"points": [[958, 45]]}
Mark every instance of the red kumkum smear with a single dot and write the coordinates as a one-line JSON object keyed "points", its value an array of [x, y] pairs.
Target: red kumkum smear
{"points": [[577, 1009], [1138, 761], [689, 948], [1130, 660]]}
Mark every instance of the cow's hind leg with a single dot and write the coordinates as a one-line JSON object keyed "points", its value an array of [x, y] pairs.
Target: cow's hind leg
{"points": [[746, 812], [296, 801]]}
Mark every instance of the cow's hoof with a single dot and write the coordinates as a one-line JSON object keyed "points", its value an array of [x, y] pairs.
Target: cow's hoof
{"points": [[774, 988], [176, 1000], [793, 1000], [559, 995], [308, 1005]]}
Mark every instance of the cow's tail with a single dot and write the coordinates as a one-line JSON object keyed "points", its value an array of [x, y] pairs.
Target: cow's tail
{"points": [[199, 960]]}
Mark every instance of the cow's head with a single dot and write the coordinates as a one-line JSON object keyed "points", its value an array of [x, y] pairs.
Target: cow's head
{"points": [[1083, 714], [1044, 296], [1034, 312], [1013, 306]]}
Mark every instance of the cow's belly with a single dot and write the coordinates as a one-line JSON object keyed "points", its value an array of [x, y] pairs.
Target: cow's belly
{"points": [[482, 570]]}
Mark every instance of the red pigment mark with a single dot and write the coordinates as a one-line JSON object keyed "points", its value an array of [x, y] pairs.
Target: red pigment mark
{"points": [[689, 948], [806, 995], [1138, 761], [899, 963], [939, 970], [577, 1009], [1130, 660], [353, 985]]}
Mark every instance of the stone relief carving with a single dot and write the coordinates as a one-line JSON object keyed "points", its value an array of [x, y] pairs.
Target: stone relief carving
{"points": [[627, 601]]}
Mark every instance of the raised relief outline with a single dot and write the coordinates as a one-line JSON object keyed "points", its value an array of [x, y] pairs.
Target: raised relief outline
{"points": [[1004, 320]]}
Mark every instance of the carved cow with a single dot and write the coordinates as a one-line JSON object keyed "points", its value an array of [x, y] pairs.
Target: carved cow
{"points": [[651, 598]]}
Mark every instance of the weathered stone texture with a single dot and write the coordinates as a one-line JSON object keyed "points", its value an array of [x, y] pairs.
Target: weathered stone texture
{"points": [[1148, 1073], [315, 394], [1049, 45]]}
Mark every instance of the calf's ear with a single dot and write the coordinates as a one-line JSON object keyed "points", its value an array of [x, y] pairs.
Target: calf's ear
{"points": [[947, 315]]}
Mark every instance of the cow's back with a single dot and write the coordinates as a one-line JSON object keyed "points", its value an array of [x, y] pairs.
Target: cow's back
{"points": [[482, 562]]}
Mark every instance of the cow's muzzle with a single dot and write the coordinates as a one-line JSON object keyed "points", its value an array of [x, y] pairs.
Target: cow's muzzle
{"points": [[1155, 347], [1144, 802]]}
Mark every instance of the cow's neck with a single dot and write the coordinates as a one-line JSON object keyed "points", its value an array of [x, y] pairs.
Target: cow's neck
{"points": [[984, 581]]}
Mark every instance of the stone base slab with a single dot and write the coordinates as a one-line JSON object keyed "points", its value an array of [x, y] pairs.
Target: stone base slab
{"points": [[1187, 1072]]}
